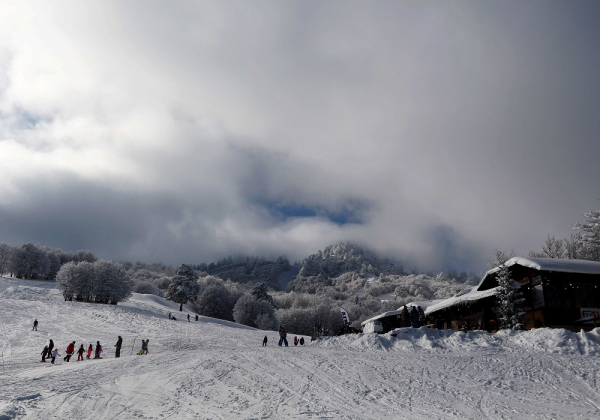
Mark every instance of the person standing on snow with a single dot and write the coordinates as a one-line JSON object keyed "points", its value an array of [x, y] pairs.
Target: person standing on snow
{"points": [[147, 344], [80, 353], [118, 346], [295, 341], [282, 336], [70, 351], [405, 317], [45, 353], [89, 351], [54, 355], [35, 324], [50, 347], [421, 316], [143, 350], [188, 317], [98, 350], [414, 317], [196, 317]]}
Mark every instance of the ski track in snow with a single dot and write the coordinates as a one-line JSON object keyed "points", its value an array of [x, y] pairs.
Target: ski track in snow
{"points": [[213, 369]]}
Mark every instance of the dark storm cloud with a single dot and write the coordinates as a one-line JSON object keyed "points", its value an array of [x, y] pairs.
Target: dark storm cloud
{"points": [[434, 132]]}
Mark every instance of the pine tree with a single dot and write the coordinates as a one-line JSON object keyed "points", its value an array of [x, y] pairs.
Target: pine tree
{"points": [[509, 300]]}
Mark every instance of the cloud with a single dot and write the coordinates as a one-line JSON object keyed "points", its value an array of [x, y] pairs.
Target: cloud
{"points": [[186, 132]]}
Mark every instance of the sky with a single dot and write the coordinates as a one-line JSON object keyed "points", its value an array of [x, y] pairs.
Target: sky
{"points": [[433, 132]]}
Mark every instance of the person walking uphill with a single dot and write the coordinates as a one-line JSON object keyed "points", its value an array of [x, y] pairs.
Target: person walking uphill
{"points": [[98, 350], [118, 346], [45, 353], [80, 353], [70, 351], [282, 336]]}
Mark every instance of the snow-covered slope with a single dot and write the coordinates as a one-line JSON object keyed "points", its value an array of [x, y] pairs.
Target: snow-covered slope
{"points": [[219, 370]]}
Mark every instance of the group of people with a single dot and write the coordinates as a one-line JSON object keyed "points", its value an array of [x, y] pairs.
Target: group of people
{"points": [[414, 318], [144, 350], [283, 338], [188, 317], [51, 352]]}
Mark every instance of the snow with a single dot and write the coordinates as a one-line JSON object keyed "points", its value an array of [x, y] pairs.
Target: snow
{"points": [[553, 264], [473, 294], [214, 369]]}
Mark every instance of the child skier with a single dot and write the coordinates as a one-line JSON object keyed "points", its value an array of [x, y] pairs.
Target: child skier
{"points": [[98, 350], [80, 353], [54, 355], [90, 349], [45, 353]]}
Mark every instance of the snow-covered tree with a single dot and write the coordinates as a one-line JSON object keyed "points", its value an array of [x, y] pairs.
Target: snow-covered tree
{"points": [[510, 298], [100, 281], [30, 261], [247, 310], [5, 254], [552, 248], [259, 292], [183, 287], [589, 235], [216, 301]]}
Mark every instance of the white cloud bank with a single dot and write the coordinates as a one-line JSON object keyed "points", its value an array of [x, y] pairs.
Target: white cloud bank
{"points": [[186, 132]]}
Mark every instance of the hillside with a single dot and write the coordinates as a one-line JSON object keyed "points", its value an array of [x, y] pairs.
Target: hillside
{"points": [[216, 369]]}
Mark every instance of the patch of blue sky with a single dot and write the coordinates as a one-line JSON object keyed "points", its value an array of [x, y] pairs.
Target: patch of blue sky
{"points": [[351, 211]]}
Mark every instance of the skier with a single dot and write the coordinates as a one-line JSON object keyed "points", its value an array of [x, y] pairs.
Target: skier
{"points": [[414, 317], [70, 350], [118, 346], [54, 355], [282, 336], [301, 341], [89, 351], [188, 317], [35, 324], [80, 353], [147, 344], [143, 350], [50, 347], [295, 341], [45, 353], [98, 350], [265, 341]]}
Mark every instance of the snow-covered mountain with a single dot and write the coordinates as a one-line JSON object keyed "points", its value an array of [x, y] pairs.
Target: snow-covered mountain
{"points": [[213, 369]]}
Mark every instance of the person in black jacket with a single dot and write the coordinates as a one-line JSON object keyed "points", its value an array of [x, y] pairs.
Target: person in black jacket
{"points": [[118, 346]]}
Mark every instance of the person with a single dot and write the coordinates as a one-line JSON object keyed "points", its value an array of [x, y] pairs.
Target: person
{"points": [[265, 341], [301, 341], [169, 315], [147, 344], [45, 353], [143, 350], [54, 355], [80, 353], [35, 324], [50, 347], [421, 316], [295, 340], [405, 317], [98, 350], [414, 317], [118, 346], [70, 351], [282, 336], [196, 317], [90, 349], [188, 317]]}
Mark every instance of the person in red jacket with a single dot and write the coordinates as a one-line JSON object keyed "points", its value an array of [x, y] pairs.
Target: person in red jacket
{"points": [[70, 351]]}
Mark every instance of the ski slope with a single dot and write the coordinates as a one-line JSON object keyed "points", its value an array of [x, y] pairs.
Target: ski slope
{"points": [[213, 369]]}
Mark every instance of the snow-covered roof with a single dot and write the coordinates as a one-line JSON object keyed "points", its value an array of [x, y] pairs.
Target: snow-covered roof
{"points": [[472, 294], [554, 264]]}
